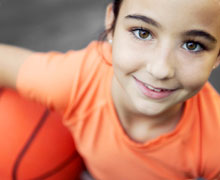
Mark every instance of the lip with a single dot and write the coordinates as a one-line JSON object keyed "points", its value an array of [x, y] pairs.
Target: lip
{"points": [[153, 92]]}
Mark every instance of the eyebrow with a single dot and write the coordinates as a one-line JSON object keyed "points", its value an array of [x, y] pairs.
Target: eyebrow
{"points": [[195, 33], [199, 33], [144, 19]]}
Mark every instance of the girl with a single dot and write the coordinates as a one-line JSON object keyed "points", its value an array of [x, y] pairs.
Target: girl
{"points": [[139, 106]]}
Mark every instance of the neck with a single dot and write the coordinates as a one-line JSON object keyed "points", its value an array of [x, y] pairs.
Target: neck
{"points": [[130, 116], [133, 121]]}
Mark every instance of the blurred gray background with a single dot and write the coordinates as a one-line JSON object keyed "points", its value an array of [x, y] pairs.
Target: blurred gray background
{"points": [[44, 25]]}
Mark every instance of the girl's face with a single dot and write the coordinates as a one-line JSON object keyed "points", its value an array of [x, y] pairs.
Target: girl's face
{"points": [[164, 51]]}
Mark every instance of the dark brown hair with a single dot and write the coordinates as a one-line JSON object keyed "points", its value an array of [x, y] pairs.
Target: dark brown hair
{"points": [[116, 9]]}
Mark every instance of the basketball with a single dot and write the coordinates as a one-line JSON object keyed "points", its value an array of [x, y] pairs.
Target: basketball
{"points": [[34, 144]]}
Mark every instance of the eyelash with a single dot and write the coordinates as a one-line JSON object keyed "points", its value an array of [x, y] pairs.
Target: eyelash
{"points": [[132, 30], [202, 46]]}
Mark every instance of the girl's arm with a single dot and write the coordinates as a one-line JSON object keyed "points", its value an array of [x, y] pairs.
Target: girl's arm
{"points": [[11, 58]]}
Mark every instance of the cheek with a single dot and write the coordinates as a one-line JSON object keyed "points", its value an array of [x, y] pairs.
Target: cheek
{"points": [[194, 82], [127, 56], [126, 59], [194, 76]]}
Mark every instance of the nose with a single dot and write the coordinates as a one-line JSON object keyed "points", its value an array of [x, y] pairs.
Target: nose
{"points": [[162, 64]]}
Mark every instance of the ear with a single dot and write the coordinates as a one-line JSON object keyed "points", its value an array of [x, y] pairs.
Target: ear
{"points": [[109, 18], [217, 63]]}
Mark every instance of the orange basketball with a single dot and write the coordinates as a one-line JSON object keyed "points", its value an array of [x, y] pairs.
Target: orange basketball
{"points": [[33, 142]]}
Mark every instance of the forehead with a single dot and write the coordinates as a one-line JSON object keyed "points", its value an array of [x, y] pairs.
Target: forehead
{"points": [[177, 13], [202, 6]]}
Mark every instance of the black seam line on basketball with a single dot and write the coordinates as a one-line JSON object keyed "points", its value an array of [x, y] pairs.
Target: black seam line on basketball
{"points": [[58, 168], [28, 143], [1, 92]]}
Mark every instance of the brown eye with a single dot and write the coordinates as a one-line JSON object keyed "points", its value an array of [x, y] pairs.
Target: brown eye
{"points": [[191, 46], [142, 34]]}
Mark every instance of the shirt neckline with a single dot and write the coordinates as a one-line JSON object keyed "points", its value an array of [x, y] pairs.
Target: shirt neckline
{"points": [[152, 144]]}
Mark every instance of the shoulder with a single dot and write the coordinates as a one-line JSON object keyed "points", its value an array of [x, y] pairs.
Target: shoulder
{"points": [[209, 99], [94, 50], [93, 74], [71, 74], [208, 102], [95, 57], [71, 65], [208, 105]]}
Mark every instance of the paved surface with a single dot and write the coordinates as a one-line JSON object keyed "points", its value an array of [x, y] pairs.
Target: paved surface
{"points": [[44, 25]]}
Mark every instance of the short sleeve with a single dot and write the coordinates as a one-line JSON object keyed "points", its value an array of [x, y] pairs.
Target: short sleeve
{"points": [[49, 77]]}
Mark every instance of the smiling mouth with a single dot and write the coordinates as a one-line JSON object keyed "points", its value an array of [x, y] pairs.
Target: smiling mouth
{"points": [[155, 89], [153, 92]]}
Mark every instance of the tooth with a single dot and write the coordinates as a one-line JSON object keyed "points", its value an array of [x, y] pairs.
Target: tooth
{"points": [[151, 88], [157, 90]]}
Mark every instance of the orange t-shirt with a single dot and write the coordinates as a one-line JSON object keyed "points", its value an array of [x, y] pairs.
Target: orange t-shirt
{"points": [[78, 84]]}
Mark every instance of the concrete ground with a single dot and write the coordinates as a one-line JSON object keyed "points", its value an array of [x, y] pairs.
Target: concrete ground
{"points": [[44, 25]]}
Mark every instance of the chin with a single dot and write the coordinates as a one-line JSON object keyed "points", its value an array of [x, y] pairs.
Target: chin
{"points": [[151, 109]]}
